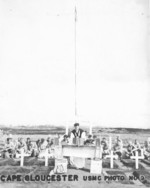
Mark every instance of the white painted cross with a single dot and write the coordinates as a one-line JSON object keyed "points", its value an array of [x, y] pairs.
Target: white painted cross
{"points": [[22, 155], [66, 129], [101, 151], [111, 156], [148, 140], [110, 143], [137, 157], [90, 131], [46, 155], [98, 152]]}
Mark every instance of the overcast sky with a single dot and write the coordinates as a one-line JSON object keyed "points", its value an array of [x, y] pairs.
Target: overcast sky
{"points": [[37, 62]]}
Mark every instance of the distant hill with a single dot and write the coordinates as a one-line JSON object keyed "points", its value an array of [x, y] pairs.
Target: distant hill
{"points": [[123, 130], [51, 129]]}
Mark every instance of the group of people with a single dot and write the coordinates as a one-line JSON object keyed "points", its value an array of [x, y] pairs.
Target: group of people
{"points": [[120, 150], [132, 147], [34, 149], [37, 149]]}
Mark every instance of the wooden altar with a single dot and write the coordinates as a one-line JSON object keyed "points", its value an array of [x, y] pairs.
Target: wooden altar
{"points": [[81, 151]]}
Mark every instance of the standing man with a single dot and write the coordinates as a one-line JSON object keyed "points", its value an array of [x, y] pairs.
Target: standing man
{"points": [[77, 132]]}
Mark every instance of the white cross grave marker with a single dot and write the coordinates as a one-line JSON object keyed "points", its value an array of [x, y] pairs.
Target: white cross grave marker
{"points": [[148, 141], [111, 156], [47, 155], [66, 129], [137, 157], [22, 155], [101, 151], [98, 152], [110, 142], [90, 130]]}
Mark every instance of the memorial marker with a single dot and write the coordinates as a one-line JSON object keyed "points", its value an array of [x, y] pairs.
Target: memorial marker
{"points": [[90, 131], [66, 130], [110, 143], [47, 155], [22, 155], [60, 166], [96, 167], [137, 157], [111, 156]]}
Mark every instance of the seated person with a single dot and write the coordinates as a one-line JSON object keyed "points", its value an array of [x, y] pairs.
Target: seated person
{"points": [[129, 151], [65, 140], [146, 151], [137, 147], [105, 149], [9, 149], [31, 148], [48, 142], [118, 139], [42, 148], [90, 140], [59, 138], [21, 145], [38, 143], [28, 144], [28, 141], [118, 147], [52, 145], [43, 144], [94, 137], [16, 144]]}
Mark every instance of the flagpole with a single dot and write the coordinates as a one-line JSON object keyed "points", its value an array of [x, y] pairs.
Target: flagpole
{"points": [[75, 54]]}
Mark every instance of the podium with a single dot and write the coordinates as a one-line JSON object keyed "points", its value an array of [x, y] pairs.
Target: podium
{"points": [[78, 141], [79, 151]]}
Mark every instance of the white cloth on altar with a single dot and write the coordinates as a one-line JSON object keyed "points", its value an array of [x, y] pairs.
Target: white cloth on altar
{"points": [[78, 162]]}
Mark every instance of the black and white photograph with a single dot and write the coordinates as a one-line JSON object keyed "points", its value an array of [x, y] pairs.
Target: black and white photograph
{"points": [[74, 93]]}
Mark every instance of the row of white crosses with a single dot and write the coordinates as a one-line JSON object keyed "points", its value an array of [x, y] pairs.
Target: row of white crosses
{"points": [[112, 156], [47, 155]]}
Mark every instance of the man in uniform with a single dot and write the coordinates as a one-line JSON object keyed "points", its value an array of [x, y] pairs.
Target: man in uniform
{"points": [[137, 147], [147, 150], [77, 132], [118, 147], [104, 144], [9, 149], [129, 151], [65, 140], [21, 145]]}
